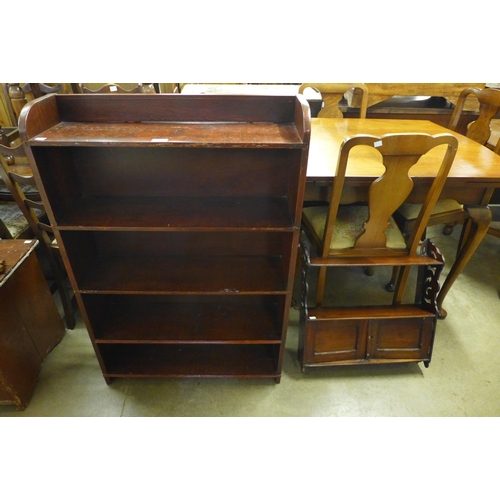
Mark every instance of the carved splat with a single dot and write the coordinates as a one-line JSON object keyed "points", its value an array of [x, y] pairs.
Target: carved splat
{"points": [[384, 200], [332, 94], [489, 106]]}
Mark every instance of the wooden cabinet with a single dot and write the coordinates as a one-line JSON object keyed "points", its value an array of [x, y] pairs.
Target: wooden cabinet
{"points": [[178, 219], [372, 334], [30, 325]]}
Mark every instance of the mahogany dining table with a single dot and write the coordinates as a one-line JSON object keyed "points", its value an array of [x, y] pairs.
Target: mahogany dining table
{"points": [[474, 175]]}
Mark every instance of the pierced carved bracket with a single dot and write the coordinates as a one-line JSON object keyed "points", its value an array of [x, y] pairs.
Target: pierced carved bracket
{"points": [[429, 278], [305, 256]]}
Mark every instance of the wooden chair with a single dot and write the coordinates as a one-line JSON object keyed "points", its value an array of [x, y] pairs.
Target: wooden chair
{"points": [[13, 223], [5, 194], [19, 94], [450, 212], [10, 139], [494, 206], [9, 136], [111, 88], [366, 235], [332, 94], [17, 177], [495, 218]]}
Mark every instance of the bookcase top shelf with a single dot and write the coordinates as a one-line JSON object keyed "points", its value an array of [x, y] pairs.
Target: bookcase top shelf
{"points": [[168, 120], [171, 134]]}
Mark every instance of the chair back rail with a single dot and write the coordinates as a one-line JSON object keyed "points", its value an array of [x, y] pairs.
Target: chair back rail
{"points": [[332, 94]]}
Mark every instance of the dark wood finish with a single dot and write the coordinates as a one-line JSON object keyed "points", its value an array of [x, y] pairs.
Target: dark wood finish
{"points": [[313, 98], [17, 177], [186, 360], [192, 319], [178, 218], [30, 325]]}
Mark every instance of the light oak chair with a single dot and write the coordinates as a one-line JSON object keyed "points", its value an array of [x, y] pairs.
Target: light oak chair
{"points": [[447, 211], [332, 94], [31, 215], [10, 139], [19, 94], [366, 234]]}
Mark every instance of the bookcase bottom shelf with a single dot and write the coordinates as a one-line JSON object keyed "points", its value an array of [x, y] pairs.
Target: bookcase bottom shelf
{"points": [[188, 360]]}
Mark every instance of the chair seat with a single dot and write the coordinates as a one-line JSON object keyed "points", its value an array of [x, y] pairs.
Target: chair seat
{"points": [[410, 211], [349, 225], [6, 194], [13, 218]]}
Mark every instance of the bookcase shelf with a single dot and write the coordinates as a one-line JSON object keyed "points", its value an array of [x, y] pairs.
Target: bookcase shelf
{"points": [[207, 360], [178, 220], [174, 134], [184, 275], [195, 319], [179, 213]]}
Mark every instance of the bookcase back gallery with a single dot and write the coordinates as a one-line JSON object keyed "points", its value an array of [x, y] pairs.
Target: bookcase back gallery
{"points": [[178, 219]]}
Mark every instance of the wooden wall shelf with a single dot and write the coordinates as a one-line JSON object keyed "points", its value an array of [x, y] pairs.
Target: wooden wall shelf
{"points": [[371, 334]]}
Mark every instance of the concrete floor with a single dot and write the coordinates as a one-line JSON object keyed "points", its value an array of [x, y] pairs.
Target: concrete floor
{"points": [[462, 380]]}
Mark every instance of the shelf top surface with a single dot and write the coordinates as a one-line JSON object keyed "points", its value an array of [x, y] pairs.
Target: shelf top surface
{"points": [[170, 134], [167, 120]]}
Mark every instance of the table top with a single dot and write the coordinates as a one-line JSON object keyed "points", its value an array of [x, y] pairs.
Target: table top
{"points": [[14, 253], [473, 162], [249, 89]]}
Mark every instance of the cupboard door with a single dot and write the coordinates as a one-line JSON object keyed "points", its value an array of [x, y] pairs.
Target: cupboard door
{"points": [[401, 338], [335, 340]]}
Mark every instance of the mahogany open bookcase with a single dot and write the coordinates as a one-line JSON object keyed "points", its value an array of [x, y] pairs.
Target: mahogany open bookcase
{"points": [[178, 220]]}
